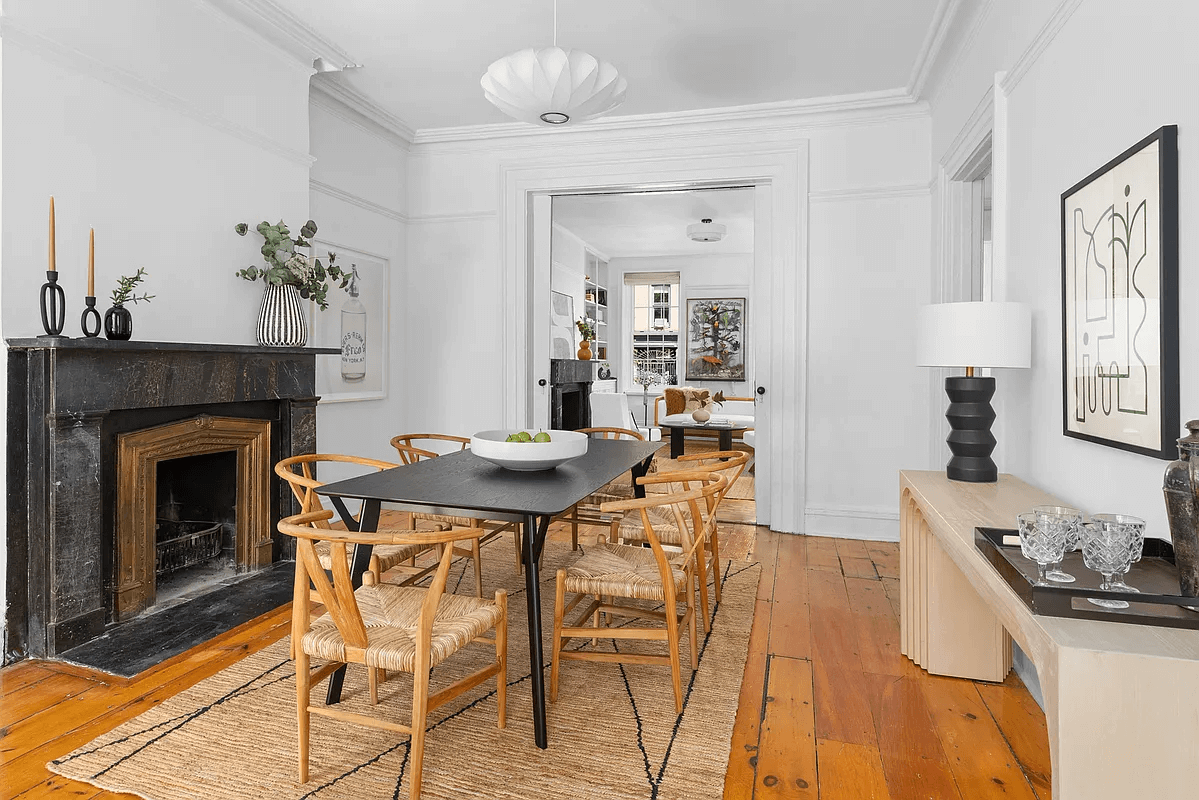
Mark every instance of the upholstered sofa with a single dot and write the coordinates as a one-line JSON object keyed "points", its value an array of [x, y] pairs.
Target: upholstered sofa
{"points": [[738, 410]]}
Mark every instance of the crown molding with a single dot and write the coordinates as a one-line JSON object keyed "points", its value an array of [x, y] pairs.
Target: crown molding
{"points": [[92, 67], [342, 93], [934, 41], [284, 30], [1049, 31], [330, 190], [945, 77], [835, 107], [351, 116]]}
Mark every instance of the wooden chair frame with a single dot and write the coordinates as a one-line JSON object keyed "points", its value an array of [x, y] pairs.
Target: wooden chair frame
{"points": [[411, 454], [304, 485], [693, 536], [586, 514], [342, 606], [731, 464]]}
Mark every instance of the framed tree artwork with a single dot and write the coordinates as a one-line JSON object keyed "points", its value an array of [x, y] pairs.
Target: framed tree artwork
{"points": [[716, 339], [1120, 300]]}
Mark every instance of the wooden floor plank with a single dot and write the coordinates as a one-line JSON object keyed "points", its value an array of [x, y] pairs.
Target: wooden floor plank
{"points": [[850, 772], [1022, 724], [858, 568], [852, 548], [743, 750], [983, 765], [55, 689], [843, 711], [63, 788], [891, 587], [822, 554], [914, 761], [21, 676], [877, 628], [765, 552], [787, 751], [790, 625], [886, 562]]}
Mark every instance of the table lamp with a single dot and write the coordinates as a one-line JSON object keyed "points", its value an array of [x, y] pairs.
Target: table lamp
{"points": [[973, 335]]}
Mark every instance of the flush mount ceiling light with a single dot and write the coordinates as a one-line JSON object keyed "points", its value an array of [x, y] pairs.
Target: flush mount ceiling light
{"points": [[706, 231], [552, 86]]}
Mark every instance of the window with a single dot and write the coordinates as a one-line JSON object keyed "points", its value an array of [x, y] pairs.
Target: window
{"points": [[655, 325]]}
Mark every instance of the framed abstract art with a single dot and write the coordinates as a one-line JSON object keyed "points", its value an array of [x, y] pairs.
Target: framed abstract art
{"points": [[1120, 300], [716, 339]]}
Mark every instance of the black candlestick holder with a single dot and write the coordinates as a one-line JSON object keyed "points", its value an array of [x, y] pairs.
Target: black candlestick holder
{"points": [[54, 306], [90, 313]]}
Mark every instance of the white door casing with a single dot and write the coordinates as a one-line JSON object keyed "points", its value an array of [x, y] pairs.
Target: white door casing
{"points": [[780, 320], [538, 292]]}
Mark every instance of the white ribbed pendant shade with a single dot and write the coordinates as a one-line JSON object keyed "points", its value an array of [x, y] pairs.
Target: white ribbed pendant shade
{"points": [[552, 86]]}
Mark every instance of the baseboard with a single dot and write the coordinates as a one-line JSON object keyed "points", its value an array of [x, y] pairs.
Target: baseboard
{"points": [[852, 522]]}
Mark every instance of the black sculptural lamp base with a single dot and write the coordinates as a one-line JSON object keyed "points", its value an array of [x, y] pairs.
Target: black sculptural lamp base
{"points": [[970, 416]]}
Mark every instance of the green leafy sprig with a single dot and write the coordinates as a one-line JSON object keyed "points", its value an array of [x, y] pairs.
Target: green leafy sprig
{"points": [[286, 267], [585, 329], [124, 293]]}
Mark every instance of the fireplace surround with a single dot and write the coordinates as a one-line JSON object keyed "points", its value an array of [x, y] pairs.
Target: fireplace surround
{"points": [[74, 406]]}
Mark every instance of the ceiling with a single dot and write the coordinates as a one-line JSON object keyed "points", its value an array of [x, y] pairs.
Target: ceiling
{"points": [[422, 61], [655, 224]]}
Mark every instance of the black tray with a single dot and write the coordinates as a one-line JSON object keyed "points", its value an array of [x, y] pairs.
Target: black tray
{"points": [[1158, 602]]}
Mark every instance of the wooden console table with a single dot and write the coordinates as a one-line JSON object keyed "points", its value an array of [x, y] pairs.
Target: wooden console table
{"points": [[1121, 701]]}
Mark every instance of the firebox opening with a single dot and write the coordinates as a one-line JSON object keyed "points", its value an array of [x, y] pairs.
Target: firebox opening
{"points": [[195, 527]]}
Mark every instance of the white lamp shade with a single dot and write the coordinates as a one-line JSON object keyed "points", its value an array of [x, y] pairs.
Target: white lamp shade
{"points": [[976, 334], [552, 86]]}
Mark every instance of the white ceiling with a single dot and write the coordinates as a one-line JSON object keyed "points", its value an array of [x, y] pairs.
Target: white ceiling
{"points": [[423, 60], [656, 224]]}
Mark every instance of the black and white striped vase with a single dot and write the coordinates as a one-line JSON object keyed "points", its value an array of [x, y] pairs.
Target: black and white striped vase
{"points": [[281, 319]]}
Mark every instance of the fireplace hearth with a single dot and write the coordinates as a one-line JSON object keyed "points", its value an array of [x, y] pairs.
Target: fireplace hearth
{"points": [[106, 517]]}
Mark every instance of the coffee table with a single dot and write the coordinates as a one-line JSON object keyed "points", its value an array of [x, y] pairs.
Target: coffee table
{"points": [[678, 433]]}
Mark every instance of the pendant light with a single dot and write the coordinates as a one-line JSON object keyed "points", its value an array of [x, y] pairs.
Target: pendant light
{"points": [[552, 86]]}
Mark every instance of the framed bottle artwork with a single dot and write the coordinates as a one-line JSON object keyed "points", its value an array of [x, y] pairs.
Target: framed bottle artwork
{"points": [[356, 322]]}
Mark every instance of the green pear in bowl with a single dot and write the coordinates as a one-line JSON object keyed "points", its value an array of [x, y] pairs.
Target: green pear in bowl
{"points": [[541, 437]]}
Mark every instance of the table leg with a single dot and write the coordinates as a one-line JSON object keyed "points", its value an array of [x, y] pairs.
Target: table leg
{"points": [[676, 441], [726, 439], [534, 534], [368, 521], [640, 471]]}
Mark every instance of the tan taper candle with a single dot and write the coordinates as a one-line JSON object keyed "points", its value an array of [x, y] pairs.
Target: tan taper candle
{"points": [[51, 267]]}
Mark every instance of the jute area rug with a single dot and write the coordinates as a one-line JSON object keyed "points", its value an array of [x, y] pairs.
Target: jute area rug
{"points": [[613, 733]]}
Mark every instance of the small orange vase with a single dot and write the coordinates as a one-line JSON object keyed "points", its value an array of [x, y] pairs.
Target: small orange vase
{"points": [[585, 351]]}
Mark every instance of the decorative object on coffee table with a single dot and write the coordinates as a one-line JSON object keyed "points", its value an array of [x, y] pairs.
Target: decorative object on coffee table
{"points": [[972, 335], [1120, 300], [290, 277], [53, 298], [716, 339], [118, 322], [1182, 506]]}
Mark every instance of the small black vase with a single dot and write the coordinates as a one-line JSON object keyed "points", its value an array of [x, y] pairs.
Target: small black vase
{"points": [[118, 323]]}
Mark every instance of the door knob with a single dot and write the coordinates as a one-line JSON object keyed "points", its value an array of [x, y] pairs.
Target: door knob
{"points": [[761, 390], [541, 382]]}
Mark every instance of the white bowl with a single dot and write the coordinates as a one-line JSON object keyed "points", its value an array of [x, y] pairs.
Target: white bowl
{"points": [[528, 456]]}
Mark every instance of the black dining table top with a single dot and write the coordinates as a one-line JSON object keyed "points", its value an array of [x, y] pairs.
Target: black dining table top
{"points": [[465, 481]]}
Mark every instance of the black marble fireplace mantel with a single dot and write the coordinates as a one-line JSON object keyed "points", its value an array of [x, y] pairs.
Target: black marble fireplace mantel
{"points": [[68, 400]]}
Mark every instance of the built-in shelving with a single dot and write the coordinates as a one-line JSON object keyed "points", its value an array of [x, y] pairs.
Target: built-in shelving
{"points": [[595, 300]]}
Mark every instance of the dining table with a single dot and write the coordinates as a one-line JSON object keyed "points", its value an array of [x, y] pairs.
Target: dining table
{"points": [[464, 485]]}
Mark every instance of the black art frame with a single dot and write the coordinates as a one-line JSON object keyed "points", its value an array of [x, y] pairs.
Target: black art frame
{"points": [[1167, 233]]}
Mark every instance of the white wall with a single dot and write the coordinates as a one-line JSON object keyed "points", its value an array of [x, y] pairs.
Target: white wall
{"points": [[727, 275], [359, 200], [869, 181], [160, 141], [1070, 110], [568, 269]]}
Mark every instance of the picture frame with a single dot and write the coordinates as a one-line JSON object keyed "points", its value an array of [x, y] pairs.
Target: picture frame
{"points": [[715, 339], [562, 325], [327, 328], [1120, 301]]}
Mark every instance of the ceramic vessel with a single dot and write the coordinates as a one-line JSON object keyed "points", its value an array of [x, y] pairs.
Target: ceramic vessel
{"points": [[118, 323], [585, 351], [1182, 506], [701, 415], [281, 319], [563, 446]]}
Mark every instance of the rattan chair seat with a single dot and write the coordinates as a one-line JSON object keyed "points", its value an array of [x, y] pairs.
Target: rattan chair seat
{"points": [[461, 522], [622, 571], [389, 555], [665, 527], [391, 614]]}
